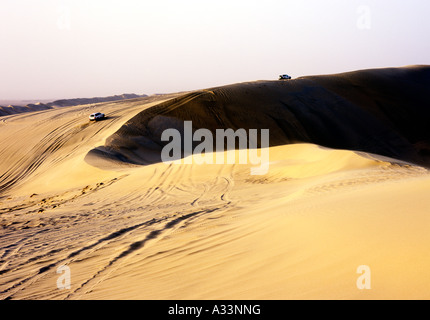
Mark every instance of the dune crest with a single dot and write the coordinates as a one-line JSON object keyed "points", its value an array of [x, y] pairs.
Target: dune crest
{"points": [[380, 111]]}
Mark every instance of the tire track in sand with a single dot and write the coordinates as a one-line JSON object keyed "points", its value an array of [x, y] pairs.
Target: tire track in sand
{"points": [[149, 239]]}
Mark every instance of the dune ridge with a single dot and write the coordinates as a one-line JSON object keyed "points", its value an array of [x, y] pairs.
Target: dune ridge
{"points": [[383, 111]]}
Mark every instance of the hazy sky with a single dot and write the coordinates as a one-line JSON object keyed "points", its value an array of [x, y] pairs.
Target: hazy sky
{"points": [[86, 48]]}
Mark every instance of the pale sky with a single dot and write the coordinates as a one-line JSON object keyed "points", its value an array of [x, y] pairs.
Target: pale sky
{"points": [[86, 48]]}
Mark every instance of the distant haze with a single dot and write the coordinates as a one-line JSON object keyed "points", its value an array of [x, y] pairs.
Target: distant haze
{"points": [[65, 49]]}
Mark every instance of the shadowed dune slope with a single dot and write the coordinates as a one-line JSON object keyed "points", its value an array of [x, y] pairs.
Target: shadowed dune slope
{"points": [[381, 111]]}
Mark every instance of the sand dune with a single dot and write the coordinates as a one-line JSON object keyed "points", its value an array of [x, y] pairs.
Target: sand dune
{"points": [[347, 186], [384, 111], [12, 109]]}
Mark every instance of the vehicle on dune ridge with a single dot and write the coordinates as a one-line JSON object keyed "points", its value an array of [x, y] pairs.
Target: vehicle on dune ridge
{"points": [[284, 77], [97, 116]]}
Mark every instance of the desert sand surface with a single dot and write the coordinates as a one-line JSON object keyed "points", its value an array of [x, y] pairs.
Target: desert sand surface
{"points": [[347, 186]]}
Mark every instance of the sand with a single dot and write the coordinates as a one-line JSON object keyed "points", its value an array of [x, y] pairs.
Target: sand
{"points": [[93, 197]]}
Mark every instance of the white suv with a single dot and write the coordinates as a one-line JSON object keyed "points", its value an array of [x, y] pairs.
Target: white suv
{"points": [[97, 116], [284, 77]]}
